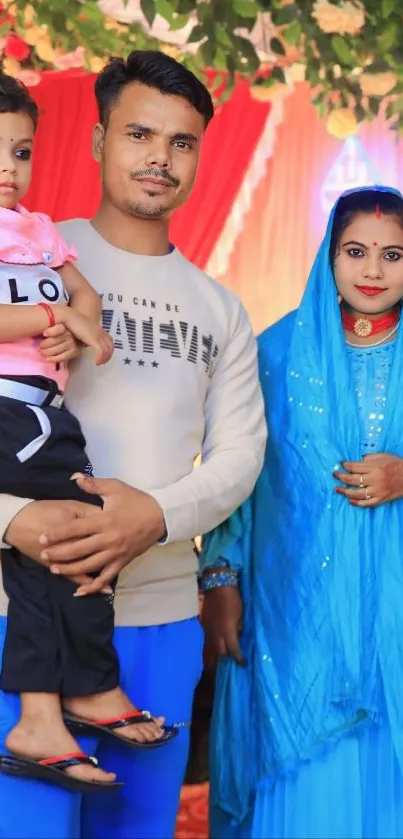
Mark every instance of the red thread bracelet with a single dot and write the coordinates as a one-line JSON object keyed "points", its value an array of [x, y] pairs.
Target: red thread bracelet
{"points": [[50, 313]]}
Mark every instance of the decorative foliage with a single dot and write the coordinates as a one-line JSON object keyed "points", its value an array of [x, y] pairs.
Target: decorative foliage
{"points": [[352, 53], [349, 50]]}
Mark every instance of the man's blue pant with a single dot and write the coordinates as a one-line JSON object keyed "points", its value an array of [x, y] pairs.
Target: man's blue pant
{"points": [[160, 667]]}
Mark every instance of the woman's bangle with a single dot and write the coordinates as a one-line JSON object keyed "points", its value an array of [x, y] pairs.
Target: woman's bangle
{"points": [[218, 579]]}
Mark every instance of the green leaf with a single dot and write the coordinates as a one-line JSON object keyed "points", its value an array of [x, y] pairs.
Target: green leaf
{"points": [[270, 81], [248, 23], [278, 75], [222, 37], [342, 50], [377, 67], [197, 34], [277, 47], [374, 105], [318, 98], [285, 15], [91, 11], [387, 7], [5, 28], [245, 8], [293, 33], [185, 7], [204, 12], [393, 109], [207, 51], [389, 38], [178, 22], [322, 42], [165, 9], [217, 81], [359, 112], [149, 10], [220, 59], [248, 52]]}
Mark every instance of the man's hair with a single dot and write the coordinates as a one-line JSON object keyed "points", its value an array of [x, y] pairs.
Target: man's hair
{"points": [[15, 99], [156, 70]]}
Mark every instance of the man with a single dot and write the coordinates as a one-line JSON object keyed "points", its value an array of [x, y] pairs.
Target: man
{"points": [[182, 381]]}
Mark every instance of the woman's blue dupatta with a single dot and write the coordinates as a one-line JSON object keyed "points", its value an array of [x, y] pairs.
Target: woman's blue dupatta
{"points": [[323, 630]]}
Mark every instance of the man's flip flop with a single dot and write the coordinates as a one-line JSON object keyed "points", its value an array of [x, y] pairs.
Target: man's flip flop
{"points": [[51, 770], [110, 726]]}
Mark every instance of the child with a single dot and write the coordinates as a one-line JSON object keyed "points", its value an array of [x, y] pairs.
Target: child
{"points": [[58, 653]]}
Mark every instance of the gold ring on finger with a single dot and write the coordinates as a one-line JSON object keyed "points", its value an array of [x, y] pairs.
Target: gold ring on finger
{"points": [[367, 494], [361, 483]]}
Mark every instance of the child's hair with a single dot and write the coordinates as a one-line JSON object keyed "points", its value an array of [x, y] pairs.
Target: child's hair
{"points": [[365, 201], [15, 99]]}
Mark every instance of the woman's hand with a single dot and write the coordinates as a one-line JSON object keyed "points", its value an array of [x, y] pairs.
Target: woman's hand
{"points": [[221, 618], [376, 479], [59, 344]]}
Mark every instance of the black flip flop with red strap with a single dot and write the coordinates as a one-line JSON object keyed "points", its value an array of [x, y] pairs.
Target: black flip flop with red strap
{"points": [[51, 770], [110, 726]]}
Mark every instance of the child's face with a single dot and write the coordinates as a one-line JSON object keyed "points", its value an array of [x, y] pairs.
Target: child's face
{"points": [[16, 140]]}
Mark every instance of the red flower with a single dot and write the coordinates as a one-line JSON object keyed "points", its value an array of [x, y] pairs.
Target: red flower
{"points": [[16, 48]]}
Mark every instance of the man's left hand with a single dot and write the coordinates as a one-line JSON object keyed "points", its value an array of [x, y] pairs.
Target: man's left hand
{"points": [[130, 523], [376, 479]]}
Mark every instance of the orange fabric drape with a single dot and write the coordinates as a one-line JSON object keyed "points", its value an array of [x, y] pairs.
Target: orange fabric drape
{"points": [[272, 257]]}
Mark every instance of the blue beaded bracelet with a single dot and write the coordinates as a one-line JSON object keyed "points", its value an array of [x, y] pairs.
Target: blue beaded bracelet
{"points": [[218, 579]]}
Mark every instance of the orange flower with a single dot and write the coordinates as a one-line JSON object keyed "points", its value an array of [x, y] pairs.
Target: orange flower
{"points": [[342, 123], [344, 18], [377, 84], [11, 67]]}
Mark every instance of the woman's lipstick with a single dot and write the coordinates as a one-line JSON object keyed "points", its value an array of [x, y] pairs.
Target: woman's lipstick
{"points": [[370, 291]]}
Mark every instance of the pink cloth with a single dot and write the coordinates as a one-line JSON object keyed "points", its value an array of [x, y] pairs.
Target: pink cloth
{"points": [[31, 239], [22, 358], [32, 245]]}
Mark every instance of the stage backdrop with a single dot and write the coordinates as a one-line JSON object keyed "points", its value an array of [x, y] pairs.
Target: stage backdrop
{"points": [[66, 179], [308, 169], [267, 179]]}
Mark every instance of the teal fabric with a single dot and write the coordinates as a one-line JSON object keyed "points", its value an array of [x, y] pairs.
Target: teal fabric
{"points": [[355, 791], [322, 581]]}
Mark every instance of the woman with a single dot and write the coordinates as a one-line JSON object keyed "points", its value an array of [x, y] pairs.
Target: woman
{"points": [[307, 739]]}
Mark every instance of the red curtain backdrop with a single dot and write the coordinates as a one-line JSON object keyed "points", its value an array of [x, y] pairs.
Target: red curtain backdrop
{"points": [[66, 179], [227, 150]]}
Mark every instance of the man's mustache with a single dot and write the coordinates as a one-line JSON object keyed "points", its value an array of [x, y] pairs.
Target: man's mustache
{"points": [[155, 173]]}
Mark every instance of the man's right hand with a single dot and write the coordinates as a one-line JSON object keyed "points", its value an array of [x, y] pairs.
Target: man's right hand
{"points": [[222, 621], [27, 526]]}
